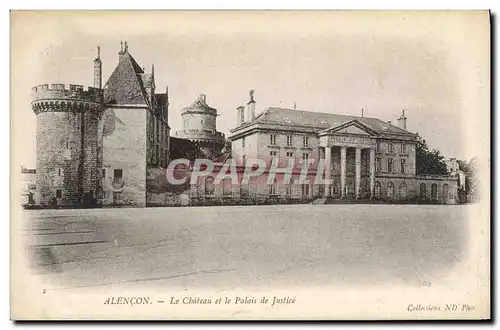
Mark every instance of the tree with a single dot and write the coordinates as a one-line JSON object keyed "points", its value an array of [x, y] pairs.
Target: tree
{"points": [[429, 161], [471, 178]]}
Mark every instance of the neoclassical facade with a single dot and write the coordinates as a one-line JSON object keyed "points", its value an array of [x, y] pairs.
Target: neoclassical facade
{"points": [[365, 158]]}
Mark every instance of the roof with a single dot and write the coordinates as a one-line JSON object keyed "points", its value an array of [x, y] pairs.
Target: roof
{"points": [[200, 104], [183, 148], [321, 121], [125, 85]]}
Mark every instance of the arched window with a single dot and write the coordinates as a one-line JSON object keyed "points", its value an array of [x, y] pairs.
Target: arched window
{"points": [[243, 189], [434, 192], [423, 191], [226, 187], [390, 190], [445, 192], [209, 185], [402, 191], [377, 189]]}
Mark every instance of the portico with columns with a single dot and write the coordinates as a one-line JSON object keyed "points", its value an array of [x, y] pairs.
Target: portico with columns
{"points": [[349, 153]]}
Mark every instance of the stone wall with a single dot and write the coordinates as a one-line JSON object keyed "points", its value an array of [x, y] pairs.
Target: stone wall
{"points": [[58, 159], [124, 152]]}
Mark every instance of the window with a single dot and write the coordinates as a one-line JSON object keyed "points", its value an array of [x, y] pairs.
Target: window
{"points": [[377, 189], [273, 155], [226, 187], [402, 191], [305, 142], [423, 191], [67, 145], [445, 192], [378, 145], [58, 193], [403, 148], [243, 142], [289, 140], [243, 189], [389, 165], [390, 190], [390, 147], [305, 158], [378, 165], [272, 140], [117, 174], [434, 192], [403, 165], [103, 173], [60, 171], [209, 186], [305, 190], [273, 188], [289, 157], [289, 188]]}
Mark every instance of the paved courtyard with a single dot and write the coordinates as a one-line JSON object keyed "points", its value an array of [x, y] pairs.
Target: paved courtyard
{"points": [[244, 247]]}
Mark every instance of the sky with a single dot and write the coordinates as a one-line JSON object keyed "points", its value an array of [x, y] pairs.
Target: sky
{"points": [[436, 67]]}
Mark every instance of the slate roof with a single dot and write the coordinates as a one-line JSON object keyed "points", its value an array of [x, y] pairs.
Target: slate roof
{"points": [[321, 121], [199, 104], [125, 85]]}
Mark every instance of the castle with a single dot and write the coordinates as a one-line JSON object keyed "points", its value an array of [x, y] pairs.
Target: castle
{"points": [[102, 144], [111, 145]]}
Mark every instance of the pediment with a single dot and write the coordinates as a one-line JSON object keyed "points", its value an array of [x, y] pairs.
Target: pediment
{"points": [[351, 127]]}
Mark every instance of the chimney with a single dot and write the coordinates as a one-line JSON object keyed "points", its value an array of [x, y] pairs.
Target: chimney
{"points": [[251, 107], [121, 52], [203, 98], [402, 120], [98, 69], [240, 116]]}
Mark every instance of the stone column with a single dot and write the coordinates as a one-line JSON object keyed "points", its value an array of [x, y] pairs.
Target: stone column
{"points": [[328, 170], [357, 181], [372, 172], [343, 166]]}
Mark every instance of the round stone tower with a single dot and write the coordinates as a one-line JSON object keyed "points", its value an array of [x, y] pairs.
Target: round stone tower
{"points": [[67, 154], [199, 125]]}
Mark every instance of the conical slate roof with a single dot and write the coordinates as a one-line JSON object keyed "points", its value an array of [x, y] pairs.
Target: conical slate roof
{"points": [[125, 86]]}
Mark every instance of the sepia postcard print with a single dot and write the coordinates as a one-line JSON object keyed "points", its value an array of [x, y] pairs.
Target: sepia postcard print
{"points": [[250, 165]]}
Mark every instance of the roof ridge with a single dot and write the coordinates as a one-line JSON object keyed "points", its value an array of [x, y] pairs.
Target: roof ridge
{"points": [[375, 124], [323, 113]]}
